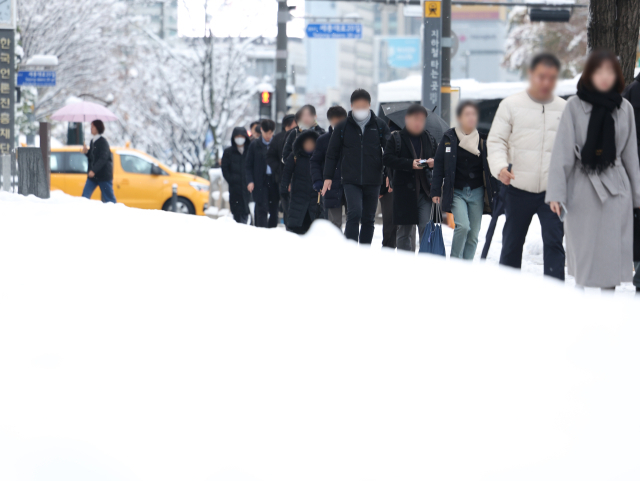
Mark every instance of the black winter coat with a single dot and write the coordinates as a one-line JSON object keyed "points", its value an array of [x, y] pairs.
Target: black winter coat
{"points": [[291, 137], [274, 154], [233, 171], [100, 159], [360, 153], [297, 173], [404, 177], [444, 172], [632, 94], [333, 197], [256, 166]]}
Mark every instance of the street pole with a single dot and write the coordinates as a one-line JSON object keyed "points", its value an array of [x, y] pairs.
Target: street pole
{"points": [[431, 55], [445, 92], [281, 62]]}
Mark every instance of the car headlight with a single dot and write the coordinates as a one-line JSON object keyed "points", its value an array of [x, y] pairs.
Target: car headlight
{"points": [[200, 187]]}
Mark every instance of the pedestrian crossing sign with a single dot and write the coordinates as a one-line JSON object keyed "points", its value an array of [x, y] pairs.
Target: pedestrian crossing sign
{"points": [[432, 9]]}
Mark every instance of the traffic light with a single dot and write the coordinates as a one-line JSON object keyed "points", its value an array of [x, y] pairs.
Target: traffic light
{"points": [[265, 98]]}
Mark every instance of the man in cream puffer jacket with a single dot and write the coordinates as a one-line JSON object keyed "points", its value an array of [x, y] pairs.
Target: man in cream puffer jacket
{"points": [[522, 135]]}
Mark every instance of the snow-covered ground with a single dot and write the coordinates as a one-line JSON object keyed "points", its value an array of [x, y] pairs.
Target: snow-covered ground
{"points": [[142, 345]]}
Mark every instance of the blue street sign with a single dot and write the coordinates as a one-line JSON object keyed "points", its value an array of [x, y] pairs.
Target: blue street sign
{"points": [[36, 78], [403, 52], [334, 30]]}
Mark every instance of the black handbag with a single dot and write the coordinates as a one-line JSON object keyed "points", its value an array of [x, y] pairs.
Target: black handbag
{"points": [[636, 235]]}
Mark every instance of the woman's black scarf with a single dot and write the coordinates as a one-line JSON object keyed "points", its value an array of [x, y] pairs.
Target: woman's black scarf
{"points": [[599, 151]]}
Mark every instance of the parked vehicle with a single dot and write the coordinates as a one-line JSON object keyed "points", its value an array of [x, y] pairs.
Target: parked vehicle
{"points": [[139, 180]]}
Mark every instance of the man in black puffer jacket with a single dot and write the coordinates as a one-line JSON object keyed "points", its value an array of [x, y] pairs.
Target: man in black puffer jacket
{"points": [[260, 181], [233, 171], [274, 158], [358, 143], [305, 206], [333, 199]]}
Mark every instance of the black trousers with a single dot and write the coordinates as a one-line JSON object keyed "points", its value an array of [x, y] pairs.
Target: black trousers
{"points": [[362, 202], [267, 202], [284, 202], [520, 207], [389, 230]]}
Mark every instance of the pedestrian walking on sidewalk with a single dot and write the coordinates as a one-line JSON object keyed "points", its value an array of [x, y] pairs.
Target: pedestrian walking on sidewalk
{"points": [[333, 200], [306, 119], [233, 170], [358, 143], [100, 168], [296, 175], [274, 158], [260, 179], [594, 177], [522, 134], [632, 94], [462, 181], [409, 155]]}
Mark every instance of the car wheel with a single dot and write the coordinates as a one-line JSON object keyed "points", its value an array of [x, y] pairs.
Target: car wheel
{"points": [[184, 206]]}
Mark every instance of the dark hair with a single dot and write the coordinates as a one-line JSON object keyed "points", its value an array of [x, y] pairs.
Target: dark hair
{"points": [[287, 120], [267, 125], [464, 104], [594, 62], [99, 125], [310, 108], [360, 94], [336, 112], [545, 58], [253, 124], [415, 109]]}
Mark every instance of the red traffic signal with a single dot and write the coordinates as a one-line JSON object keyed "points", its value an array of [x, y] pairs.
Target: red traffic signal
{"points": [[265, 97]]}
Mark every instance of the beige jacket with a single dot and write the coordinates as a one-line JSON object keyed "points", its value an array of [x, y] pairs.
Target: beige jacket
{"points": [[522, 134]]}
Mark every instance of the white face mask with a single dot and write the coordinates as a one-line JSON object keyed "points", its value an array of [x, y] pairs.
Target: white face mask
{"points": [[303, 126], [361, 114], [240, 140]]}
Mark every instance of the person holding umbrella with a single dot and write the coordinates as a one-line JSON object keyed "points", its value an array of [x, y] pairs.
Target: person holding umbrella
{"points": [[462, 180], [409, 154], [100, 173]]}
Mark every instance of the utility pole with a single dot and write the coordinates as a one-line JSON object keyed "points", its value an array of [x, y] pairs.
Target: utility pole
{"points": [[445, 92], [281, 62], [432, 55]]}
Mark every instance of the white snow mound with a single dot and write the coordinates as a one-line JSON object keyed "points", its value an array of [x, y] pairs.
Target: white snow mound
{"points": [[145, 345]]}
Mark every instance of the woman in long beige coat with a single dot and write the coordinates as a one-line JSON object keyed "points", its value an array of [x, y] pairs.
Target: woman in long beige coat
{"points": [[595, 176]]}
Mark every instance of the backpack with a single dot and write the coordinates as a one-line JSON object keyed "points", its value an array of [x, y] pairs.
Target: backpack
{"points": [[398, 142], [380, 134]]}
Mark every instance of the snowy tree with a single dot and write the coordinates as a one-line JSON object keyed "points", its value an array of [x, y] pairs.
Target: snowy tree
{"points": [[615, 24], [568, 40], [176, 99]]}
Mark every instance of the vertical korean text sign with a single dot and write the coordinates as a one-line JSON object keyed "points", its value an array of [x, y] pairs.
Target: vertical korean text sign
{"points": [[432, 76], [7, 90]]}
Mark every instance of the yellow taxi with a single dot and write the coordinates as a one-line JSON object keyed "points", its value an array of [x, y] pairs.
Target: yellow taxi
{"points": [[139, 180]]}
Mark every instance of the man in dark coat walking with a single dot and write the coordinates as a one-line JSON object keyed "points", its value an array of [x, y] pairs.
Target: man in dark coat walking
{"points": [[409, 153], [100, 173], [304, 207], [306, 119], [358, 143], [233, 171], [274, 158], [333, 199], [260, 179], [632, 94]]}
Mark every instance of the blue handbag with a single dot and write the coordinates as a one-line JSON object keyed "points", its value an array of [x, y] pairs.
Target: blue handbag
{"points": [[432, 241]]}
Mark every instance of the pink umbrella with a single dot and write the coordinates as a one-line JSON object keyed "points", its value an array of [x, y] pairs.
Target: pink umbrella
{"points": [[84, 112]]}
